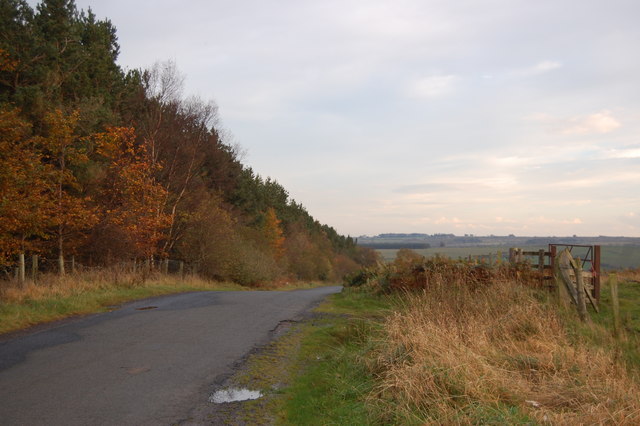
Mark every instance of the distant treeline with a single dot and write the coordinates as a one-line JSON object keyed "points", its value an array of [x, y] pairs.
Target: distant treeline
{"points": [[382, 245], [414, 235], [108, 165]]}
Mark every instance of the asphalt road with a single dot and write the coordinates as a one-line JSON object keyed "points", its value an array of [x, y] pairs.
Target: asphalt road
{"points": [[137, 366]]}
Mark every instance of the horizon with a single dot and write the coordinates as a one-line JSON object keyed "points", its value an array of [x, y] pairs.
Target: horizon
{"points": [[493, 235]]}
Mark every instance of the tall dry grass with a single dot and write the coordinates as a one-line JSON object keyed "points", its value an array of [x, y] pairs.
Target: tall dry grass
{"points": [[632, 275], [52, 285], [498, 353]]}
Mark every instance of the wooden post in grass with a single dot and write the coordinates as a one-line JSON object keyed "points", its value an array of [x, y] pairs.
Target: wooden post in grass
{"points": [[615, 304], [541, 261], [61, 264], [73, 264], [499, 257], [181, 269], [541, 266], [21, 269], [34, 268], [582, 305], [564, 298], [165, 266]]}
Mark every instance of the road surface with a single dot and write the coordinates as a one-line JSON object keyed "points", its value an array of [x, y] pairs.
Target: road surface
{"points": [[149, 362]]}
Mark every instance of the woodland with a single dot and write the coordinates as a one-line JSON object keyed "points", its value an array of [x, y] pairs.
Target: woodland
{"points": [[110, 165]]}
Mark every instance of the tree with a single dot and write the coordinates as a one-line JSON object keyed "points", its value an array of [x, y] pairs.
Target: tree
{"points": [[72, 213], [25, 193], [131, 198], [273, 233]]}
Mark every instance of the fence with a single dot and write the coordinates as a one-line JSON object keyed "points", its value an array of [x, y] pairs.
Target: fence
{"points": [[575, 277], [33, 267], [557, 270]]}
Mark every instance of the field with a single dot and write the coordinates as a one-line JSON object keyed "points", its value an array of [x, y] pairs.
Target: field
{"points": [[613, 257]]}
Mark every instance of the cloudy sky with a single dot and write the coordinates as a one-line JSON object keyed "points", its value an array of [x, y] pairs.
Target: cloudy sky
{"points": [[460, 116]]}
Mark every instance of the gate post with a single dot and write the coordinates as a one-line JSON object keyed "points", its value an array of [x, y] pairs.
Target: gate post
{"points": [[596, 271]]}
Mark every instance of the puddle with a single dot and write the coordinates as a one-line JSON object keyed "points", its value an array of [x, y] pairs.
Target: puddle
{"points": [[234, 395]]}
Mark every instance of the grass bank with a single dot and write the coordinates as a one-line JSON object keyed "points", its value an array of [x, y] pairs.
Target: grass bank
{"points": [[54, 298], [500, 353], [331, 376]]}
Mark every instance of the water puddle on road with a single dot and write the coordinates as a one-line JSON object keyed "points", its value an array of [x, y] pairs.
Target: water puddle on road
{"points": [[233, 395]]}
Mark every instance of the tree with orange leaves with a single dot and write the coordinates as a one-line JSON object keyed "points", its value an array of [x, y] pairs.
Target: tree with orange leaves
{"points": [[72, 213], [25, 193], [131, 197], [273, 233]]}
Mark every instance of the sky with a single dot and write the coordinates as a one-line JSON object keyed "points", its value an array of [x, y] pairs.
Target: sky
{"points": [[432, 116]]}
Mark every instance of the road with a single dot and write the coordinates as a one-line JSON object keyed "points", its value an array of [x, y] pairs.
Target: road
{"points": [[148, 362]]}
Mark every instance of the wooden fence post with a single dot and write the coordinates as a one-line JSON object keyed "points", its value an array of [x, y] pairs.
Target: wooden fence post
{"points": [[582, 305], [541, 266], [181, 269], [73, 264], [615, 304], [165, 266], [34, 268], [596, 270], [61, 264], [564, 298], [499, 256], [541, 260], [21, 269]]}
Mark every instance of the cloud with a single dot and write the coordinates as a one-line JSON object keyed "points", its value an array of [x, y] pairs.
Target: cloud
{"points": [[433, 86], [547, 220], [448, 220], [428, 188], [597, 123], [539, 68], [623, 153], [546, 66], [600, 122]]}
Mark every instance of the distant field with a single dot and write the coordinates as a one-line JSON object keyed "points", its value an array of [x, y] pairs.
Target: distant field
{"points": [[613, 257]]}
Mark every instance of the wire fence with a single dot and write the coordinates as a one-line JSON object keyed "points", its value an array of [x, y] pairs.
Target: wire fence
{"points": [[33, 267]]}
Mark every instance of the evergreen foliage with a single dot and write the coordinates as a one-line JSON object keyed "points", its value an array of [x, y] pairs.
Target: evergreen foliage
{"points": [[113, 165]]}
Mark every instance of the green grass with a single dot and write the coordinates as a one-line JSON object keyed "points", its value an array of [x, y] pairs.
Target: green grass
{"points": [[628, 346], [629, 296], [331, 382]]}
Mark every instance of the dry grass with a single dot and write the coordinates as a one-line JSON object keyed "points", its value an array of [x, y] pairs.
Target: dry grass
{"points": [[54, 297], [53, 285], [494, 354], [632, 275]]}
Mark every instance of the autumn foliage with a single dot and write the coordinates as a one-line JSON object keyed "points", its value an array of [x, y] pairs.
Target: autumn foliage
{"points": [[110, 166]]}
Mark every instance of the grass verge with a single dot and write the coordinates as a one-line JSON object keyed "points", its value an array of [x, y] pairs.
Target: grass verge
{"points": [[55, 298], [456, 354], [330, 381]]}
